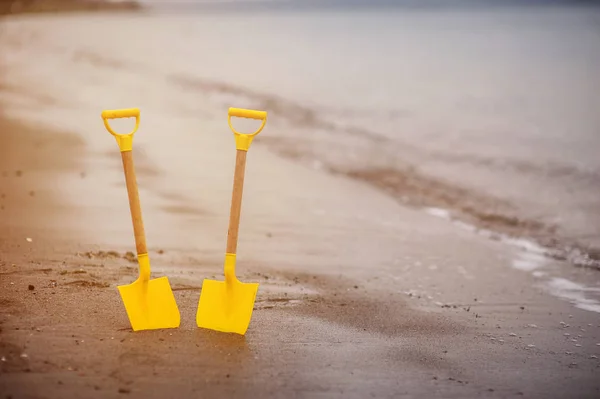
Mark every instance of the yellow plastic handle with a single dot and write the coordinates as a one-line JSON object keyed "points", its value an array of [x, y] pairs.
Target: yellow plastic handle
{"points": [[125, 141], [247, 113], [243, 141], [121, 113]]}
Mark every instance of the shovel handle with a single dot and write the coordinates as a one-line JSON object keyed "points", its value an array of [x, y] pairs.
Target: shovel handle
{"points": [[243, 141], [125, 141], [134, 203], [236, 201]]}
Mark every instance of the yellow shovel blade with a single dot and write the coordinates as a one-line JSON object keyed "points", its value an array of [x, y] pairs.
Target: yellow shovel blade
{"points": [[226, 306], [150, 304]]}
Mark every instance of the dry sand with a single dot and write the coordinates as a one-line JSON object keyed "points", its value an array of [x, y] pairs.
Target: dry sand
{"points": [[359, 296]]}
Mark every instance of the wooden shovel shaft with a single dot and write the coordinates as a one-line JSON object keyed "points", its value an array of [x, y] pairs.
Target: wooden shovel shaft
{"points": [[134, 202], [236, 201]]}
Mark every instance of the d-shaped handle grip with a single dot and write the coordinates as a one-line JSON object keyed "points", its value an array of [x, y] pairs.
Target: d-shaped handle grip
{"points": [[243, 141], [125, 141]]}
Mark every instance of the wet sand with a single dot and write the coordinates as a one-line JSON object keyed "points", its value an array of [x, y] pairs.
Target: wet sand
{"points": [[359, 296]]}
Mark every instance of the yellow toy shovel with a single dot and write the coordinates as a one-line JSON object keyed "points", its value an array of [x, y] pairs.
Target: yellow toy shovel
{"points": [[150, 304], [227, 305]]}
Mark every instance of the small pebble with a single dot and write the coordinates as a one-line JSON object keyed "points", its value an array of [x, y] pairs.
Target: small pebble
{"points": [[566, 334], [24, 355], [3, 359], [598, 344], [569, 353], [531, 346], [512, 334], [574, 339], [28, 239], [563, 323], [578, 345], [532, 326], [593, 357], [500, 340], [570, 316]]}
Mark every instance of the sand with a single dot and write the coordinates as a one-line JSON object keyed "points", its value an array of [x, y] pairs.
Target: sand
{"points": [[13, 7], [359, 296]]}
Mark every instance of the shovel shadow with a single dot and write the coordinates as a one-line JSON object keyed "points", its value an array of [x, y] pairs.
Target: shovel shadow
{"points": [[228, 348]]}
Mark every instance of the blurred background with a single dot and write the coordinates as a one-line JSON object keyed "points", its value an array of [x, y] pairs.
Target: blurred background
{"points": [[483, 111]]}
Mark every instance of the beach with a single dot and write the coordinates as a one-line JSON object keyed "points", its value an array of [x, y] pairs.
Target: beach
{"points": [[388, 266]]}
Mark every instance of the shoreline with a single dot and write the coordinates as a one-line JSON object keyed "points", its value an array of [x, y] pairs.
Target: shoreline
{"points": [[455, 203], [484, 213]]}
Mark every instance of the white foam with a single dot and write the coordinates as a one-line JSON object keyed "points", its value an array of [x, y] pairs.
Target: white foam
{"points": [[575, 293], [525, 244], [439, 212], [465, 226], [528, 262], [525, 265]]}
